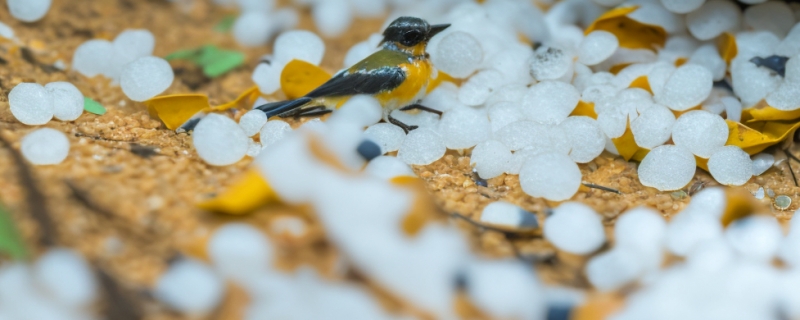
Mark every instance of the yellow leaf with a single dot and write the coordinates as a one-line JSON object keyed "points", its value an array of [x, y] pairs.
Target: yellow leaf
{"points": [[680, 61], [423, 210], [763, 112], [757, 136], [726, 45], [249, 95], [642, 83], [632, 34], [702, 163], [299, 78], [618, 67], [626, 145], [740, 204], [174, 110], [584, 109], [246, 195]]}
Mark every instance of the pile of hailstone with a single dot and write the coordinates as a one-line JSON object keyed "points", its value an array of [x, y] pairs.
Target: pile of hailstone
{"points": [[129, 61], [59, 285]]}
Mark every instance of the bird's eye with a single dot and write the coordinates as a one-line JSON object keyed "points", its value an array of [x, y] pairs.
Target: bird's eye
{"points": [[411, 38]]}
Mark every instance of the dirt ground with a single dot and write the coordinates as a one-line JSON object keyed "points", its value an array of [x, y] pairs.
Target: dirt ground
{"points": [[125, 195]]}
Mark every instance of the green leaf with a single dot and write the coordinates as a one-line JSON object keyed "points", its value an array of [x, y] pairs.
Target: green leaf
{"points": [[225, 24], [190, 54], [214, 61], [11, 242], [93, 106]]}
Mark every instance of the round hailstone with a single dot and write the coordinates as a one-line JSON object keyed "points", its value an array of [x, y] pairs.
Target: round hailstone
{"points": [[332, 17], [700, 132], [67, 277], [240, 251], [596, 47], [31, 103], [550, 64], [252, 122], [587, 140], [273, 132], [479, 87], [682, 6], [358, 52], [422, 146], [45, 146], [689, 229], [730, 165], [713, 18], [93, 57], [505, 289], [6, 31], [135, 43], [613, 269], [301, 45], [458, 54], [504, 113], [268, 77], [773, 16], [551, 176], [388, 136], [507, 214], [643, 231], [686, 88], [667, 167], [490, 158], [145, 78], [28, 10], [387, 168], [67, 100], [464, 128], [755, 237], [190, 287], [219, 141], [787, 96], [653, 127], [361, 110], [762, 162], [575, 228], [550, 102], [256, 5], [708, 56], [252, 29]]}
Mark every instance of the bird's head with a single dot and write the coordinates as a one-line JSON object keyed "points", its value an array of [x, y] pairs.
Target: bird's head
{"points": [[410, 35]]}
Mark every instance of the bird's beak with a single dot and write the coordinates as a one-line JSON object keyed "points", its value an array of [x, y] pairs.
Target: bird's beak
{"points": [[435, 29]]}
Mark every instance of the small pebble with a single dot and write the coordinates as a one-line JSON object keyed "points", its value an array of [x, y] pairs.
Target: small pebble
{"points": [[220, 141], [783, 202], [575, 228], [45, 147], [31, 103], [145, 78], [191, 287], [653, 127], [67, 100]]}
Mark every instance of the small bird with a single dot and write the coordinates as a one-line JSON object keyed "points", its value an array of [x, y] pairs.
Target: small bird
{"points": [[397, 76]]}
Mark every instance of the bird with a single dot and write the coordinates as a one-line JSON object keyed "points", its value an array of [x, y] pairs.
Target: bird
{"points": [[397, 75]]}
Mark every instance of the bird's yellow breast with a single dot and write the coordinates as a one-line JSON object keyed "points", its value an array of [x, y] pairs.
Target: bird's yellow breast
{"points": [[418, 75]]}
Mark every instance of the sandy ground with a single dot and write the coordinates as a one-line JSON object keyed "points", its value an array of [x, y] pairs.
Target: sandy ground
{"points": [[125, 195]]}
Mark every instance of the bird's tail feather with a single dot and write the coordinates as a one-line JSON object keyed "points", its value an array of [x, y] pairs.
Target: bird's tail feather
{"points": [[277, 108]]}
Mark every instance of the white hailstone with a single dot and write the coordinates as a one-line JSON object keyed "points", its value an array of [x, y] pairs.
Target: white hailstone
{"points": [[789, 294], [67, 100], [31, 103], [667, 167], [709, 201], [708, 56], [598, 92], [145, 78], [787, 96], [421, 119], [256, 5], [219, 140], [273, 131], [575, 228], [755, 237], [772, 16], [654, 13], [443, 98], [191, 287], [28, 10], [479, 87], [504, 113], [506, 289], [253, 149], [388, 136], [730, 165], [507, 214], [332, 17], [551, 176], [689, 229], [733, 108], [458, 54], [613, 269], [6, 31], [369, 8], [66, 276], [687, 87], [682, 6], [587, 140], [521, 134], [464, 128], [490, 158], [789, 46], [252, 29], [387, 167], [550, 64], [653, 127], [789, 250], [700, 132], [596, 47], [134, 43], [519, 157], [713, 18], [267, 77], [358, 52], [422, 146], [301, 45], [93, 57], [762, 162], [613, 122], [550, 102], [240, 251], [361, 110], [45, 146], [642, 230], [711, 256], [512, 62], [252, 122], [752, 84]]}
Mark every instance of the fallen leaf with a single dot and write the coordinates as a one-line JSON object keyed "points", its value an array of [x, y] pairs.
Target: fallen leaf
{"points": [[249, 193], [214, 61], [174, 110], [11, 242], [299, 78], [726, 46], [92, 106], [632, 34]]}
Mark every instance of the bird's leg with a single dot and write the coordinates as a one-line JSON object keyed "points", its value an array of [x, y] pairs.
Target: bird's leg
{"points": [[418, 106], [400, 124]]}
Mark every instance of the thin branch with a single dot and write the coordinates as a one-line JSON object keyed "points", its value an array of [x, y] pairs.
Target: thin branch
{"points": [[788, 164], [599, 187]]}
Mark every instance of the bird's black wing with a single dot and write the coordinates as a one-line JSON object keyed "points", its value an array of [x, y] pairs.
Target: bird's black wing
{"points": [[362, 81]]}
